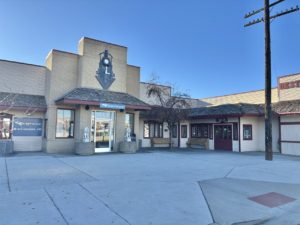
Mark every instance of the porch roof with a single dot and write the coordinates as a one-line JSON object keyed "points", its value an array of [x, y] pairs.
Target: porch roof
{"points": [[227, 110], [18, 101], [89, 96]]}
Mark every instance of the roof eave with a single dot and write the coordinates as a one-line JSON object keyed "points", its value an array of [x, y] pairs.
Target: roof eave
{"points": [[226, 115], [96, 103], [22, 108]]}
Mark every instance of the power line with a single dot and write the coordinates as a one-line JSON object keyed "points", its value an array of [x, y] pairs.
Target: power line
{"points": [[268, 72]]}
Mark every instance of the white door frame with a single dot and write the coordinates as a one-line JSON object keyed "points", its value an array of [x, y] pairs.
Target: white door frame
{"points": [[111, 130]]}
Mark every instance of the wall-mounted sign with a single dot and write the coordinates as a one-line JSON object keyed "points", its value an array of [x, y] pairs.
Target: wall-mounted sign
{"points": [[105, 75], [27, 126], [291, 84], [112, 106]]}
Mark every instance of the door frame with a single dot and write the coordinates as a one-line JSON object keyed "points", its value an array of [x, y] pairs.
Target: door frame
{"points": [[223, 124], [112, 129]]}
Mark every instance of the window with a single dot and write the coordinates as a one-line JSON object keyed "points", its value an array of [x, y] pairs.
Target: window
{"points": [[199, 130], [129, 121], [5, 126], [247, 132], [174, 131], [153, 129], [65, 123], [235, 132], [183, 131]]}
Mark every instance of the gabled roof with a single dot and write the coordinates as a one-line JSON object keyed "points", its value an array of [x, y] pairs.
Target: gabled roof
{"points": [[89, 96], [22, 101], [227, 110]]}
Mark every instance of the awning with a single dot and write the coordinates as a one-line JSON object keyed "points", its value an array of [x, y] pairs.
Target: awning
{"points": [[16, 101], [89, 96]]}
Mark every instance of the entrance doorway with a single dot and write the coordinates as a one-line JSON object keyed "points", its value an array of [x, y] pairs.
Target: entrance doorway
{"points": [[223, 137], [103, 130]]}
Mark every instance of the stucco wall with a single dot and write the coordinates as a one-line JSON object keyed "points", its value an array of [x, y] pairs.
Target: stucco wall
{"points": [[291, 93], [89, 50], [133, 81], [258, 134], [22, 78], [256, 143], [62, 76], [119, 129]]}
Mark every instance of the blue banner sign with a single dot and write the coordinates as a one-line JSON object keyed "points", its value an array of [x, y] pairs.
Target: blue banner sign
{"points": [[112, 106], [27, 126]]}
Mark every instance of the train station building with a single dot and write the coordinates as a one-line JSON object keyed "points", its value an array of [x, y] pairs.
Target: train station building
{"points": [[94, 96]]}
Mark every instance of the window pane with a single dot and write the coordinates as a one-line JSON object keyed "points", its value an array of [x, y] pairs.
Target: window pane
{"points": [[152, 128], [247, 132], [146, 130], [183, 131], [5, 126], [65, 123], [174, 131], [235, 131]]}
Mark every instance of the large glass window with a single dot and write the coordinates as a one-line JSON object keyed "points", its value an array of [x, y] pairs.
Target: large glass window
{"points": [[199, 130], [65, 123], [5, 126], [153, 129], [129, 121]]}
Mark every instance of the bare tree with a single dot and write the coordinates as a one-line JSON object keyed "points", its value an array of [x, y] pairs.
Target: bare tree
{"points": [[170, 107]]}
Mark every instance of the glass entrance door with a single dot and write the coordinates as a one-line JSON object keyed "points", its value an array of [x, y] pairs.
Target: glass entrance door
{"points": [[103, 130]]}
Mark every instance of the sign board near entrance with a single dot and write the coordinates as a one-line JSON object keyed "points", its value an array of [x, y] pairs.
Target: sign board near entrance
{"points": [[112, 106], [27, 126]]}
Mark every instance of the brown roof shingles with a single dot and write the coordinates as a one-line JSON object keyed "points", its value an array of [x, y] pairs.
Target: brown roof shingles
{"points": [[228, 110], [96, 96], [24, 101]]}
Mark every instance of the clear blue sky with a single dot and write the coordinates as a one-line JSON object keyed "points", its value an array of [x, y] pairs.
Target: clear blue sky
{"points": [[199, 45]]}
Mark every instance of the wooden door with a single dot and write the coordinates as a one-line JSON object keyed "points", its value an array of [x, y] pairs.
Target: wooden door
{"points": [[223, 137]]}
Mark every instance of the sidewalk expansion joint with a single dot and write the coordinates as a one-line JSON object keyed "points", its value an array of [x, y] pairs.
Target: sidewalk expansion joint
{"points": [[56, 206], [206, 201], [7, 175], [75, 168], [104, 203]]}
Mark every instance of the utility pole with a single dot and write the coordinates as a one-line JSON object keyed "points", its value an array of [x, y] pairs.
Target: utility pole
{"points": [[268, 73]]}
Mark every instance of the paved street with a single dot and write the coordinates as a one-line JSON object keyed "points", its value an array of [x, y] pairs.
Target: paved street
{"points": [[149, 188]]}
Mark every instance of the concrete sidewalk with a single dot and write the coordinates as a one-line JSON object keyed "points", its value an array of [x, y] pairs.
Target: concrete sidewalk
{"points": [[157, 188]]}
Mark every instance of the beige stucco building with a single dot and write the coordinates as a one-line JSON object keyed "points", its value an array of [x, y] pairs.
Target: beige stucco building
{"points": [[93, 100], [64, 98]]}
